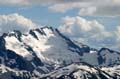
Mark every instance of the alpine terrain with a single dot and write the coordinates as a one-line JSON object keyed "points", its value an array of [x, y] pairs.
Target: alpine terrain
{"points": [[46, 53]]}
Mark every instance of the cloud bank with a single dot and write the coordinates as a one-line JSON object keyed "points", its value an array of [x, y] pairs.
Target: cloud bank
{"points": [[90, 7], [32, 2], [90, 32], [85, 7], [15, 21]]}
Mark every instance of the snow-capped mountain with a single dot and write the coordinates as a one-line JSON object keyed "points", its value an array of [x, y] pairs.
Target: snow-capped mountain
{"points": [[44, 51]]}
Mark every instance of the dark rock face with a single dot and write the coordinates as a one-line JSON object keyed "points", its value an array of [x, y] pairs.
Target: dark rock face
{"points": [[33, 34], [13, 60]]}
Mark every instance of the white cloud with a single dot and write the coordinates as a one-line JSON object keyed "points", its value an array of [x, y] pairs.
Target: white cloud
{"points": [[15, 22], [117, 32], [14, 2], [90, 7], [86, 7], [87, 11], [64, 7], [88, 32], [107, 10], [78, 26], [32, 2]]}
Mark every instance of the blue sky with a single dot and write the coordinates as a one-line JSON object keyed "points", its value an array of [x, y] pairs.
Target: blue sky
{"points": [[43, 16], [38, 14], [96, 19]]}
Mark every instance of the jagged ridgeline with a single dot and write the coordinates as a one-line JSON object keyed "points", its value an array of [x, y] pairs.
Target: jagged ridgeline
{"points": [[46, 52]]}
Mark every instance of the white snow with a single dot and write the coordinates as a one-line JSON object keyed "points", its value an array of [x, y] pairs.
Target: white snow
{"points": [[79, 71], [13, 44], [112, 70]]}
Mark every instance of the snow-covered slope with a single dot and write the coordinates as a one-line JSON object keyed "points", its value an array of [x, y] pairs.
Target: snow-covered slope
{"points": [[78, 71], [113, 71], [74, 71]]}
